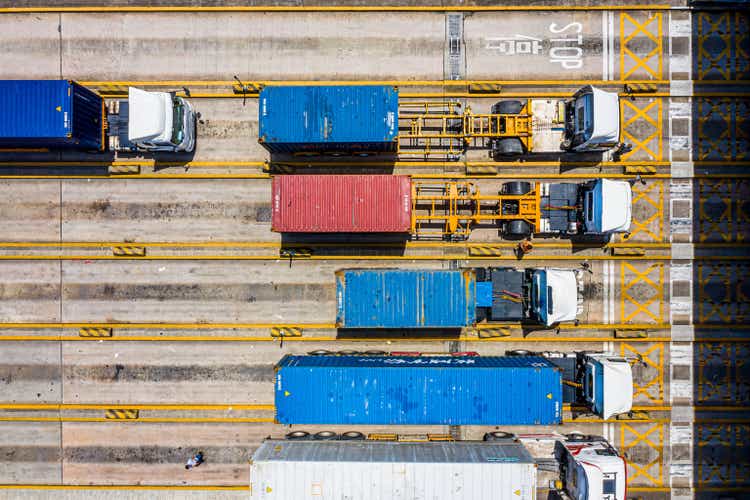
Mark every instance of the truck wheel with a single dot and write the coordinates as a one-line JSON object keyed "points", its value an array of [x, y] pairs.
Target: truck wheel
{"points": [[516, 188], [325, 436], [375, 353], [320, 352], [347, 352], [519, 352], [497, 436], [352, 436], [517, 229], [507, 147], [298, 435], [507, 107]]}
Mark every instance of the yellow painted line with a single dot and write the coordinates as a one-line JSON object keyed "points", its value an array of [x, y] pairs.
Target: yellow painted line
{"points": [[155, 420], [50, 338], [150, 406], [349, 83], [198, 487], [330, 8], [276, 257]]}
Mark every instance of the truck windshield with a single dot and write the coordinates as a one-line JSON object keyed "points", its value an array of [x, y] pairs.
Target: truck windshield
{"points": [[584, 116], [177, 111]]}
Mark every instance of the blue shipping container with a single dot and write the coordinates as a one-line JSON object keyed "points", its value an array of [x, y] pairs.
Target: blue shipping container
{"points": [[396, 298], [328, 119], [430, 390], [51, 114]]}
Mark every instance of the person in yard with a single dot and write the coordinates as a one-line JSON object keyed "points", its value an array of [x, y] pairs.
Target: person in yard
{"points": [[523, 248], [194, 461]]}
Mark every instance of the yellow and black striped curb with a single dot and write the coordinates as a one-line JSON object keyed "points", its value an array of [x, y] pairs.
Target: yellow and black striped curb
{"points": [[128, 251], [488, 333], [112, 90], [121, 414], [481, 169], [633, 415], [641, 88], [247, 88], [95, 331], [485, 88], [295, 253], [286, 331], [485, 251], [124, 169], [631, 334], [640, 169], [278, 168], [628, 251]]}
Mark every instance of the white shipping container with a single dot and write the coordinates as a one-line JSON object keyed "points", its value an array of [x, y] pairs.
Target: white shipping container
{"points": [[384, 470]]}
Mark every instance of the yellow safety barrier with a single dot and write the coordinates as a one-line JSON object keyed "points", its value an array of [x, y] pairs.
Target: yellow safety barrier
{"points": [[382, 437], [641, 88], [95, 331], [631, 334], [485, 251], [128, 251], [295, 253], [485, 88], [124, 169], [640, 169], [121, 414], [486, 333], [286, 331], [481, 169], [628, 251]]}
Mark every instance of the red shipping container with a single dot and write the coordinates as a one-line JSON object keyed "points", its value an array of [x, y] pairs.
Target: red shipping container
{"points": [[341, 204]]}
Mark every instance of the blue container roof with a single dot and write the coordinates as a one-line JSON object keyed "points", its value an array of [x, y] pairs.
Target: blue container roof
{"points": [[424, 390], [328, 114], [36, 108], [396, 298]]}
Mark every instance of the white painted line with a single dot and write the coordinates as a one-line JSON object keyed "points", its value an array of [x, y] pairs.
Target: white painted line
{"points": [[605, 47], [611, 318], [611, 51], [605, 292]]}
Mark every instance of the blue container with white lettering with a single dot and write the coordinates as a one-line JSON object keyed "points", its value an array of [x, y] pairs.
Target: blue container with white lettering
{"points": [[418, 390]]}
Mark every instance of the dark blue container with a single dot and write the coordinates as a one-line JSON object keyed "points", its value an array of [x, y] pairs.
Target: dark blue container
{"points": [[347, 119], [50, 114], [401, 298], [425, 390]]}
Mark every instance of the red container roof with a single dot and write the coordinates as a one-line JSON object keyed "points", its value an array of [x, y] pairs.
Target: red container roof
{"points": [[341, 204]]}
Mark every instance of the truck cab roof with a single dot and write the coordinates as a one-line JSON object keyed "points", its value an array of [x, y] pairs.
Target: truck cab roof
{"points": [[150, 116], [608, 207], [555, 295], [616, 375], [596, 471], [596, 118]]}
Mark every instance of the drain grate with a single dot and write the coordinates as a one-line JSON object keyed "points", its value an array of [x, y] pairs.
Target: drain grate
{"points": [[455, 48]]}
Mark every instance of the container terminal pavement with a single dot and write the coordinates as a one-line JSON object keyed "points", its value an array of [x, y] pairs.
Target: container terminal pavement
{"points": [[498, 249]]}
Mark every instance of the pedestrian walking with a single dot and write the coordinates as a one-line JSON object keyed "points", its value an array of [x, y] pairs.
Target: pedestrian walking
{"points": [[194, 461]]}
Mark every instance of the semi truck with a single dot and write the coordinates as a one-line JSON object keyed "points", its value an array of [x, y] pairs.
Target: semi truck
{"points": [[434, 467], [447, 210], [458, 389], [460, 298], [54, 115], [368, 120]]}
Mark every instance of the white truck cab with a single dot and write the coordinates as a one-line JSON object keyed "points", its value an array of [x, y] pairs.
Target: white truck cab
{"points": [[556, 295], [608, 384], [593, 120], [591, 468], [607, 207], [160, 121]]}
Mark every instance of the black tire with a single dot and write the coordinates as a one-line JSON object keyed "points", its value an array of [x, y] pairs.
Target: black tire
{"points": [[508, 146], [352, 436], [298, 435], [320, 352], [325, 436], [347, 352], [519, 352], [375, 353], [517, 188], [517, 229], [498, 436], [507, 107]]}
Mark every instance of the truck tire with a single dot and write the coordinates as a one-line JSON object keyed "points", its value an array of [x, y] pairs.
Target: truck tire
{"points": [[320, 352], [516, 188], [498, 436], [325, 436], [375, 353], [507, 147], [517, 229], [352, 436], [347, 352], [519, 352], [506, 108], [297, 435]]}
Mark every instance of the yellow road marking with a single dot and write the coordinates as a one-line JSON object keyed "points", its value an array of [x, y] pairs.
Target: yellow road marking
{"points": [[149, 406], [532, 257]]}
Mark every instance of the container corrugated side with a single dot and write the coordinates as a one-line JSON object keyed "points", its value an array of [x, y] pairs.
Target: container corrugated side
{"points": [[341, 204], [328, 119], [50, 114], [400, 298], [366, 470], [431, 390]]}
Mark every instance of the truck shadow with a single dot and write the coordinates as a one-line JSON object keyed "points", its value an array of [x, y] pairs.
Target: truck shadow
{"points": [[398, 334], [316, 163], [343, 244]]}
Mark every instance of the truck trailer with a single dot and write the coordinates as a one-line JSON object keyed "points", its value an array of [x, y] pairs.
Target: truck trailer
{"points": [[401, 298], [446, 210], [371, 119], [466, 389], [501, 467], [57, 115]]}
